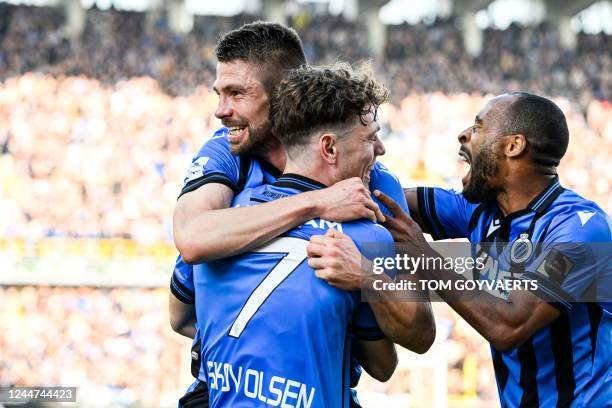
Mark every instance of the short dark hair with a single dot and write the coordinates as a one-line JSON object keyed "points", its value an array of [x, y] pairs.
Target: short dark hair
{"points": [[273, 48], [323, 99], [541, 122]]}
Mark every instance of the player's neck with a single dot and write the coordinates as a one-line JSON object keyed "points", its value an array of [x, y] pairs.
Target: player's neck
{"points": [[311, 171], [521, 190], [276, 156]]}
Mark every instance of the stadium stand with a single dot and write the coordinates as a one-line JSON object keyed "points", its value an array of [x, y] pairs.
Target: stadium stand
{"points": [[95, 137]]}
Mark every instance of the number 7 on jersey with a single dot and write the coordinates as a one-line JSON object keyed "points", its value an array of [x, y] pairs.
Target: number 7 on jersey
{"points": [[294, 250]]}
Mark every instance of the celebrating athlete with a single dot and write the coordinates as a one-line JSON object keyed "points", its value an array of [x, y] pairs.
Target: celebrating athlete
{"points": [[548, 348]]}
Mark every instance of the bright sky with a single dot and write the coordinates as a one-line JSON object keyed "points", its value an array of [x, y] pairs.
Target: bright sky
{"points": [[500, 13]]}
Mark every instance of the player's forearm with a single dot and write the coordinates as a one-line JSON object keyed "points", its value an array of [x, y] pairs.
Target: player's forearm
{"points": [[504, 323], [408, 323], [187, 331], [221, 233], [377, 357]]}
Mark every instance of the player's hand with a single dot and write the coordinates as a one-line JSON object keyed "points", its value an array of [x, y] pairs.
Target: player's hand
{"points": [[336, 259], [406, 233], [401, 226], [347, 200]]}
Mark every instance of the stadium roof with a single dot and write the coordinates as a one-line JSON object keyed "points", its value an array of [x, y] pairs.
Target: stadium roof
{"points": [[589, 15]]}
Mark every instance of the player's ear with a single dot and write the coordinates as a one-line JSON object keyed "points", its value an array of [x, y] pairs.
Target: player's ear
{"points": [[515, 146], [328, 147]]}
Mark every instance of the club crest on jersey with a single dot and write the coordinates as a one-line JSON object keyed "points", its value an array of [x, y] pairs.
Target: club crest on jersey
{"points": [[521, 249]]}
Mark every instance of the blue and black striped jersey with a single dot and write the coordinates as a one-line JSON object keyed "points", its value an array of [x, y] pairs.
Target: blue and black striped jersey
{"points": [[568, 362]]}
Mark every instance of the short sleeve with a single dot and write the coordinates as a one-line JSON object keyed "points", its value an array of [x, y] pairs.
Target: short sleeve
{"points": [[574, 263], [214, 163], [181, 283], [384, 180], [446, 213], [380, 244]]}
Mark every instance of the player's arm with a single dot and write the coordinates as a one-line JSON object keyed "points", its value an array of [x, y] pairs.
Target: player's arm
{"points": [[442, 213], [506, 324], [182, 317], [337, 260], [377, 357], [182, 299], [206, 229], [413, 206]]}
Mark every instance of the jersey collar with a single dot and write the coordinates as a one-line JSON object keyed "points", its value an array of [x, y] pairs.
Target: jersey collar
{"points": [[270, 168], [541, 202], [298, 182], [546, 197]]}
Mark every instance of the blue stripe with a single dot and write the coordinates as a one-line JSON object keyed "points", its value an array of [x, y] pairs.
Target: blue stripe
{"points": [[546, 369], [512, 392], [545, 196], [300, 182], [581, 346]]}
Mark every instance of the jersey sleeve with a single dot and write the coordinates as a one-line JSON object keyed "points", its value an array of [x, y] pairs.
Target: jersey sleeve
{"points": [[574, 260], [446, 213], [384, 180], [214, 163], [379, 243], [181, 283]]}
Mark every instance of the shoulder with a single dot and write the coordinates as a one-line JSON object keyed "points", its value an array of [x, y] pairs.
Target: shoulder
{"points": [[578, 220], [381, 174], [366, 231], [219, 140]]}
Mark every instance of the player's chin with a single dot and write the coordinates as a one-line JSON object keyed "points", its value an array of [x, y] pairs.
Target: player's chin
{"points": [[239, 146]]}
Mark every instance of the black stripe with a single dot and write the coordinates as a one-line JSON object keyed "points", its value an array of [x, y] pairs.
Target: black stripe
{"points": [[432, 206], [561, 343], [529, 371], [544, 206], [293, 185], [501, 371], [258, 200], [276, 173], [181, 292], [421, 201], [209, 178], [245, 166], [595, 313], [344, 368], [368, 333], [474, 218]]}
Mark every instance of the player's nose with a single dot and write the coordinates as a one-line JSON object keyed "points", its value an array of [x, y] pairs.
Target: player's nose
{"points": [[223, 110], [465, 136], [379, 147]]}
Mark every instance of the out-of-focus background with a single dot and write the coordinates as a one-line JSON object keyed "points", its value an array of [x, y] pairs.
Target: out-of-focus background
{"points": [[104, 102]]}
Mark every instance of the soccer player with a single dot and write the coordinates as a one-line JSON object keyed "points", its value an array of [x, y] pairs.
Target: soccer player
{"points": [[548, 348], [272, 332], [244, 154]]}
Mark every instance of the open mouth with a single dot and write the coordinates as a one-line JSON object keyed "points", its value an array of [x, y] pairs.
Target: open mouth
{"points": [[465, 157], [366, 175], [236, 133]]}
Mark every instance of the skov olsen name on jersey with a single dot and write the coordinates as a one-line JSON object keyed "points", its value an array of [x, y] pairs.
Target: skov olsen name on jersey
{"points": [[272, 390]]}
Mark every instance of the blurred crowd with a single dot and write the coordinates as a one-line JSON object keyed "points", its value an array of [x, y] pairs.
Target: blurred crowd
{"points": [[95, 134], [417, 58], [113, 344], [116, 347]]}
